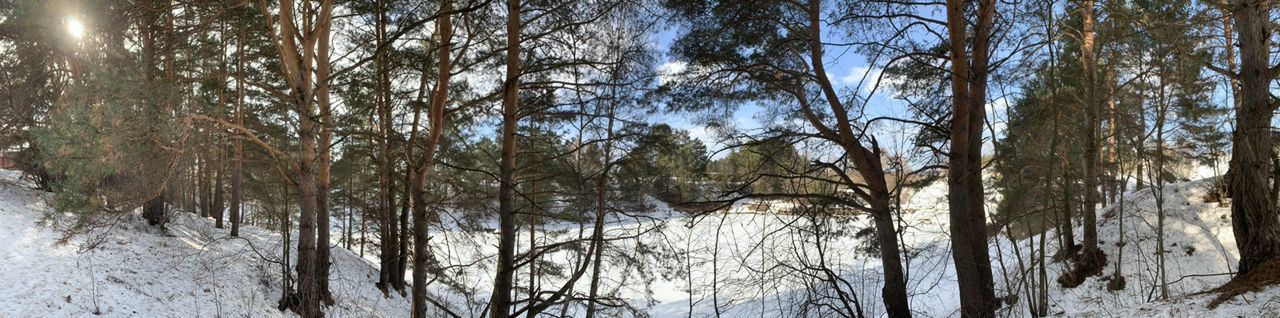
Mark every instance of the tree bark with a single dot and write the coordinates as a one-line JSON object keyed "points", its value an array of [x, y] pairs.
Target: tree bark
{"points": [[867, 163], [219, 204], [402, 254], [153, 211], [388, 234], [436, 113], [325, 149], [964, 177], [1253, 218], [500, 303], [1157, 186], [1091, 259], [238, 160], [202, 174], [602, 207], [304, 57]]}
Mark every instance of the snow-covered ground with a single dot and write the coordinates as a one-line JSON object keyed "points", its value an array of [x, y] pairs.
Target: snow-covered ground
{"points": [[1200, 251], [749, 262], [192, 270]]}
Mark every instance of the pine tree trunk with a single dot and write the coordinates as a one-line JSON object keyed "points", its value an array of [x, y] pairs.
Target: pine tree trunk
{"points": [[402, 254], [238, 156], [1112, 183], [1068, 231], [436, 113], [219, 203], [325, 149], [964, 178], [1157, 172], [193, 186], [420, 266], [304, 57], [389, 239], [894, 292], [202, 173], [154, 212], [308, 287], [867, 163], [1091, 259], [1253, 217], [597, 234], [602, 207], [500, 303]]}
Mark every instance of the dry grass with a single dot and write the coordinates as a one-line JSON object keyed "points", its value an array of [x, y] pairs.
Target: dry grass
{"points": [[1266, 275]]}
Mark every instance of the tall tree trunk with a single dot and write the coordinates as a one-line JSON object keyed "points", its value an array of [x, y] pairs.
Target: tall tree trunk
{"points": [[304, 58], [894, 292], [286, 288], [1091, 259], [500, 303], [219, 204], [597, 234], [436, 113], [308, 289], [602, 207], [1253, 217], [153, 210], [389, 240], [1113, 177], [964, 177], [402, 253], [202, 174], [323, 161], [193, 186], [238, 160], [1117, 281], [1157, 188]]}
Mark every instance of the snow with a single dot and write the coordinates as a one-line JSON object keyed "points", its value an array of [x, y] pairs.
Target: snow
{"points": [[192, 270], [196, 270]]}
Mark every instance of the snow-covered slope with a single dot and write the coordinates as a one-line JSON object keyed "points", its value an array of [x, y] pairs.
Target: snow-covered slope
{"points": [[1200, 253], [1199, 248], [192, 270], [745, 263]]}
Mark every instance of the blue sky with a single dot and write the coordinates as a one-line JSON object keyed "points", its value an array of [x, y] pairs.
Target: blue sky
{"points": [[846, 69]]}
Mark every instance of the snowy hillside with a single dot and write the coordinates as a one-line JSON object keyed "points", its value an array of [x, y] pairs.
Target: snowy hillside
{"points": [[192, 270], [196, 270], [1200, 251]]}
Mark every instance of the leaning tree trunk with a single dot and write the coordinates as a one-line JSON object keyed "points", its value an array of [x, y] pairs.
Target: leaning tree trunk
{"points": [[867, 163]]}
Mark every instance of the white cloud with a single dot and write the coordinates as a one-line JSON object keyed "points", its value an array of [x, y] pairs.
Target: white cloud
{"points": [[869, 77], [671, 70]]}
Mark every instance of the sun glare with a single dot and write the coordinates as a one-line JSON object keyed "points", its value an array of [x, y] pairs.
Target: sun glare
{"points": [[75, 28]]}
